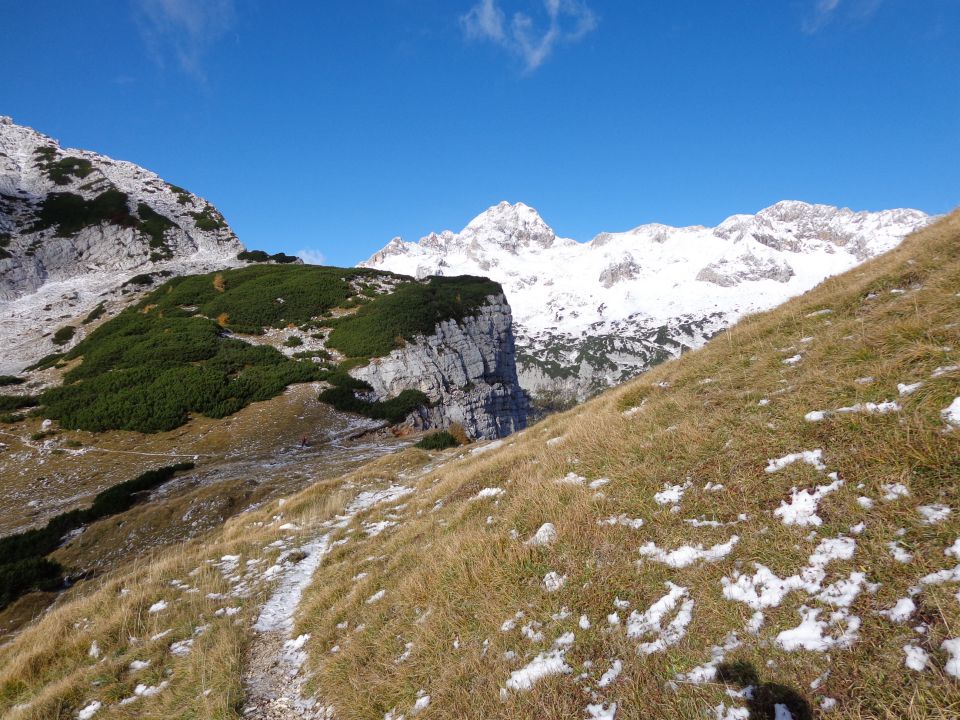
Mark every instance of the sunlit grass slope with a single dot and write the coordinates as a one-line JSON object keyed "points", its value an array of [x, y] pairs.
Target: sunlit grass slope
{"points": [[455, 574], [683, 562]]}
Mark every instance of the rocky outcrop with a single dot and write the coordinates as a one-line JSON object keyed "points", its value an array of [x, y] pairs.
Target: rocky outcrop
{"points": [[746, 267], [75, 226], [69, 213], [626, 269], [466, 368]]}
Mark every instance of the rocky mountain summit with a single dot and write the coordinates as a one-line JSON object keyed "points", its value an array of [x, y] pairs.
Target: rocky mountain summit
{"points": [[591, 314], [75, 225]]}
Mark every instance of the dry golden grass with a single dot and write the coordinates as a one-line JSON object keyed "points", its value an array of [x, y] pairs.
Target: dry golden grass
{"points": [[47, 671], [453, 570], [449, 576]]}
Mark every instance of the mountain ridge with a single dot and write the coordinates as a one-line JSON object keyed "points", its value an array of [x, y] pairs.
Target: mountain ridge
{"points": [[76, 225], [592, 313]]}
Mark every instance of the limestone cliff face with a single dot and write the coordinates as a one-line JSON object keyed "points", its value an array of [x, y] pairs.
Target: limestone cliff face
{"points": [[468, 370]]}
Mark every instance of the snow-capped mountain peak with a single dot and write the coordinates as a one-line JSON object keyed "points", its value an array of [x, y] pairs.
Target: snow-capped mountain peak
{"points": [[511, 227], [588, 314]]}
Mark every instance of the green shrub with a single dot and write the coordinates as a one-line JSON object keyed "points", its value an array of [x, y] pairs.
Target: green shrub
{"points": [[95, 314], [64, 335], [293, 341], [253, 256], [259, 296], [16, 402], [437, 441], [413, 308], [10, 380], [35, 573], [142, 279], [208, 219], [259, 256], [23, 566], [154, 225], [144, 372], [62, 170], [122, 497], [48, 361], [394, 410], [70, 213], [183, 196]]}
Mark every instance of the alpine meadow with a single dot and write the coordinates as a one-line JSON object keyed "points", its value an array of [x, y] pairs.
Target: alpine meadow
{"points": [[672, 431]]}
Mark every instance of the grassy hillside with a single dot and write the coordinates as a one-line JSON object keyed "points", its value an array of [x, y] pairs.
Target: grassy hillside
{"points": [[699, 542], [171, 355]]}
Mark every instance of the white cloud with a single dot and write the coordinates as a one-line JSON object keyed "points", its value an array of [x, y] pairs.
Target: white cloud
{"points": [[185, 28], [825, 11], [311, 256], [566, 21]]}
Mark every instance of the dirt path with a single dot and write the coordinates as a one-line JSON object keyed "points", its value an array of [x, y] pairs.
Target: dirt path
{"points": [[274, 677]]}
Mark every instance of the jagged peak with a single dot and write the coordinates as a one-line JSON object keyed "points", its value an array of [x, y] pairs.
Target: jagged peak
{"points": [[510, 226]]}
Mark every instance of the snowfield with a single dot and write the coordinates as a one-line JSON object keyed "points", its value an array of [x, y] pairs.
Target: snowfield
{"points": [[644, 293]]}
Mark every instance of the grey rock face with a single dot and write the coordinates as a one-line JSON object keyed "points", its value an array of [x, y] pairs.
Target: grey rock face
{"points": [[52, 276], [745, 268], [466, 368], [627, 269], [34, 255]]}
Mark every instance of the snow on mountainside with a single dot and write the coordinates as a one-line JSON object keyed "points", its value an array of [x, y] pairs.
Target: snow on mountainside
{"points": [[591, 314], [76, 225]]}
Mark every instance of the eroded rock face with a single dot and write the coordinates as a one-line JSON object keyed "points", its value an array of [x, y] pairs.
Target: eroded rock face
{"points": [[626, 269], [466, 368], [747, 267], [75, 226], [148, 223]]}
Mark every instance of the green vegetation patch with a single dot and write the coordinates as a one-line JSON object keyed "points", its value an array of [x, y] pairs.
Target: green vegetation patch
{"points": [[63, 170], [95, 314], [10, 380], [145, 372], [256, 297], [413, 308], [70, 213], [183, 196], [437, 441], [151, 366], [259, 256], [208, 219], [9, 403], [394, 410], [46, 362], [64, 335], [154, 226], [24, 568]]}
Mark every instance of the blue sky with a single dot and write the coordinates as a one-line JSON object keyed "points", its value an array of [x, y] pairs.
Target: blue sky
{"points": [[334, 126]]}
